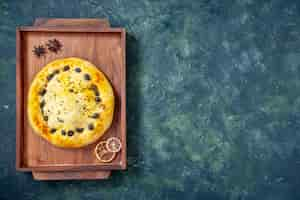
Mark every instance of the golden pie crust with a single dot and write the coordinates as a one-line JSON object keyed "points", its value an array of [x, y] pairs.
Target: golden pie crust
{"points": [[70, 103]]}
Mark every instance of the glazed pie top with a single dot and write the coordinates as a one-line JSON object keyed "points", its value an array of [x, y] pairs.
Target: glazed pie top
{"points": [[70, 103]]}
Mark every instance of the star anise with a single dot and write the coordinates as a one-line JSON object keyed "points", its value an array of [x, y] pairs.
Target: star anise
{"points": [[54, 45], [39, 50]]}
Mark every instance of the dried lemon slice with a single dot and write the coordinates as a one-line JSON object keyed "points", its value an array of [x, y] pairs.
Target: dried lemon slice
{"points": [[113, 144], [101, 146], [103, 154], [107, 156]]}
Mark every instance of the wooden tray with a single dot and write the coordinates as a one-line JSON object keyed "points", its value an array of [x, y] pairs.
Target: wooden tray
{"points": [[90, 39]]}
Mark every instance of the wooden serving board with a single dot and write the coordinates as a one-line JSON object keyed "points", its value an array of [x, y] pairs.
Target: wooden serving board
{"points": [[92, 40]]}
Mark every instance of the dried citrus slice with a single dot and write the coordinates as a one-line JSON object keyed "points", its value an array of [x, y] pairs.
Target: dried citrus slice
{"points": [[100, 149], [103, 154], [100, 146], [113, 144], [107, 156]]}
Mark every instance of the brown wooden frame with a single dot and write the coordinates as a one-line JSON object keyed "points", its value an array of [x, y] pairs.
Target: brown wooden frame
{"points": [[20, 107]]}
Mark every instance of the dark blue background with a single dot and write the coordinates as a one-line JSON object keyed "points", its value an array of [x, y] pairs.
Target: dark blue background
{"points": [[213, 99]]}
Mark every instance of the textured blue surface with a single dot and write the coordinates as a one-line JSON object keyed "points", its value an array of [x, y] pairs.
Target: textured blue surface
{"points": [[213, 99]]}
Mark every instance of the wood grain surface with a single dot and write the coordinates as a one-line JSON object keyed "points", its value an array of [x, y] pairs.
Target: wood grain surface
{"points": [[105, 48]]}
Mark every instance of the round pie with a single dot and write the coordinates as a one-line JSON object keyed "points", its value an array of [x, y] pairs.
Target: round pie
{"points": [[70, 103]]}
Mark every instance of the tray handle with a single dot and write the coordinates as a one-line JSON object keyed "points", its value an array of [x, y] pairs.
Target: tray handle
{"points": [[80, 175], [79, 22]]}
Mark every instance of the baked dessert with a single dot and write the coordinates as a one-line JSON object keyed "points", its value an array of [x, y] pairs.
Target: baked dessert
{"points": [[70, 103]]}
